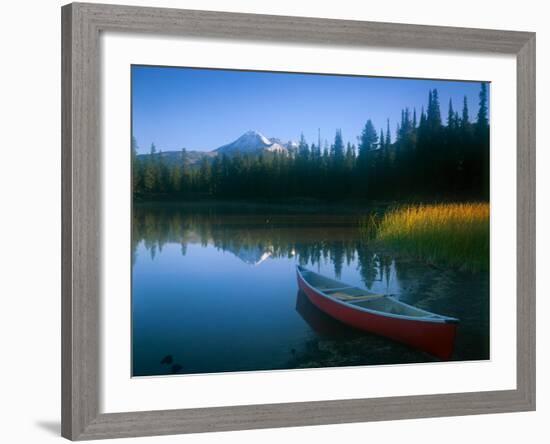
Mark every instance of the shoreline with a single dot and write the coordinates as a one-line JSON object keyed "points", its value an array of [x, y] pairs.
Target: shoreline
{"points": [[305, 205]]}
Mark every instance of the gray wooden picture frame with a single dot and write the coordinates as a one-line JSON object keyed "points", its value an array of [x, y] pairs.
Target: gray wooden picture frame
{"points": [[81, 234]]}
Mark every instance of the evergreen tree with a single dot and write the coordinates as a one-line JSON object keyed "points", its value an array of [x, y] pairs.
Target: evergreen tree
{"points": [[137, 169], [350, 156], [482, 115], [465, 115], [451, 115], [303, 148], [326, 151], [151, 171], [315, 154], [163, 184], [423, 119], [482, 142], [134, 147], [436, 108], [368, 140], [338, 148], [434, 111], [185, 181], [205, 175], [175, 179]]}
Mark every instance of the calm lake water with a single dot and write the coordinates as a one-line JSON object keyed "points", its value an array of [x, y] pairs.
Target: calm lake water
{"points": [[214, 290]]}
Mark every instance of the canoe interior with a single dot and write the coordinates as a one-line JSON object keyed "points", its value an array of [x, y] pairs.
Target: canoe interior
{"points": [[389, 305], [320, 282], [362, 298]]}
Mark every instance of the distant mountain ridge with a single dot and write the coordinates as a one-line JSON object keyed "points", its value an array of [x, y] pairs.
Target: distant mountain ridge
{"points": [[250, 143]]}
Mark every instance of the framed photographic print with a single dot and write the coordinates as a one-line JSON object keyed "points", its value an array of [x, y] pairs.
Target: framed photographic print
{"points": [[278, 221]]}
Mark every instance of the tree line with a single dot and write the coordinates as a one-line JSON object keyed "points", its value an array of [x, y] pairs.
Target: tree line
{"points": [[430, 158]]}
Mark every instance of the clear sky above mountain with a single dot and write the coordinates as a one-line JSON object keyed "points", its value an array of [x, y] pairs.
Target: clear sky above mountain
{"points": [[202, 109]]}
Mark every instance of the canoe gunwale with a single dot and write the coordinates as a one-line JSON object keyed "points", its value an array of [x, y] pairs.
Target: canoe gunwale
{"points": [[440, 319]]}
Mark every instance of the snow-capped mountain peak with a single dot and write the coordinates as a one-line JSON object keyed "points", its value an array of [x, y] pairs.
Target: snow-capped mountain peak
{"points": [[251, 142], [256, 135]]}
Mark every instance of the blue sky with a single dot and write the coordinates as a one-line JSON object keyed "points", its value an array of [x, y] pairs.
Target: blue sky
{"points": [[202, 109]]}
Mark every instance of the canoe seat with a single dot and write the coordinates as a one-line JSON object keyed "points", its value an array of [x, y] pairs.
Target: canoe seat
{"points": [[331, 289], [355, 298]]}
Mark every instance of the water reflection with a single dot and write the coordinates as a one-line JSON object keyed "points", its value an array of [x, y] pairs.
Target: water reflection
{"points": [[324, 326], [214, 289], [254, 238]]}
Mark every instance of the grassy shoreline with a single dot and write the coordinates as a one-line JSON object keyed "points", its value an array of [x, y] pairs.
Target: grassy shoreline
{"points": [[450, 234]]}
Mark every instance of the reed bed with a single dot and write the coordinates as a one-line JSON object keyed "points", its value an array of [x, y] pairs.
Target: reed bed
{"points": [[452, 234]]}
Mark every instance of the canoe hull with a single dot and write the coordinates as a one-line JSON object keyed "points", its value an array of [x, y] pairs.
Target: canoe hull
{"points": [[435, 338]]}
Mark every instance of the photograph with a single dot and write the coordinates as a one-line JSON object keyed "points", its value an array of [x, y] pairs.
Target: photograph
{"points": [[285, 220]]}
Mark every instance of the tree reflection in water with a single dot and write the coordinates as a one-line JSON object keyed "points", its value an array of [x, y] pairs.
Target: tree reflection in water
{"points": [[256, 236]]}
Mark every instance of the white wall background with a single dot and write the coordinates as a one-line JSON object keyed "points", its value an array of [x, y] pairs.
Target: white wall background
{"points": [[30, 220]]}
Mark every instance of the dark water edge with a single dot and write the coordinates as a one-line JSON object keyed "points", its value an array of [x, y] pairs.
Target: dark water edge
{"points": [[214, 288], [292, 206], [307, 204]]}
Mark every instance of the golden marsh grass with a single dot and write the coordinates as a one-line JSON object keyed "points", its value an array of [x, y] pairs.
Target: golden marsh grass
{"points": [[455, 234]]}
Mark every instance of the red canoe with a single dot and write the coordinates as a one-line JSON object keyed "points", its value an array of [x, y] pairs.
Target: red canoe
{"points": [[380, 314]]}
